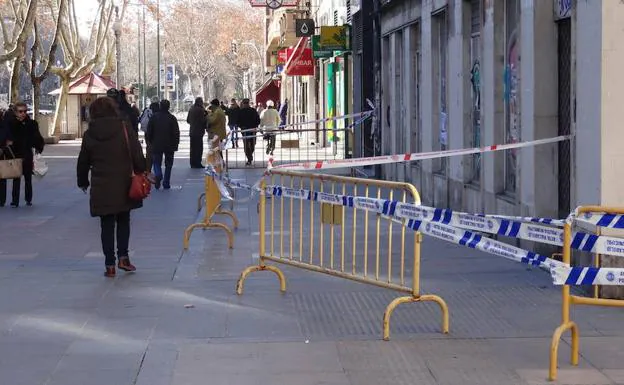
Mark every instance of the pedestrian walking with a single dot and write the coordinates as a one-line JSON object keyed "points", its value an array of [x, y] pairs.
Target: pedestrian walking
{"points": [[111, 152], [232, 115], [163, 134], [269, 122], [125, 109], [145, 118], [216, 120], [197, 119], [26, 137], [248, 121], [283, 113]]}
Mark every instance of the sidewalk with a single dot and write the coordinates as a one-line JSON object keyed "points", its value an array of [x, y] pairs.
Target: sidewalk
{"points": [[63, 323]]}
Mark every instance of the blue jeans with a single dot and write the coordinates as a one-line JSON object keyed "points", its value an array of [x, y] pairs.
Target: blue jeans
{"points": [[157, 158]]}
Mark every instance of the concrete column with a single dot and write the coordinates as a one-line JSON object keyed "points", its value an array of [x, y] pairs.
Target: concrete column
{"points": [[599, 111], [492, 106], [539, 89], [458, 95]]}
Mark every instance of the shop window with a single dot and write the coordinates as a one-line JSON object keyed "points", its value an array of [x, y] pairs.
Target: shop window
{"points": [[475, 81], [440, 139], [415, 129], [398, 113]]}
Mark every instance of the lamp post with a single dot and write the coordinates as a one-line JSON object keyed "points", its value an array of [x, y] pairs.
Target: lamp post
{"points": [[177, 92], [158, 46], [117, 31]]}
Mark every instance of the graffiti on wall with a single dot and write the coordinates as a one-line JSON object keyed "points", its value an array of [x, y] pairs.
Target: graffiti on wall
{"points": [[475, 80], [512, 104]]}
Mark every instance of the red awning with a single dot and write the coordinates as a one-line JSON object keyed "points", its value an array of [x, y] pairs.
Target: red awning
{"points": [[90, 84], [270, 90], [296, 53]]}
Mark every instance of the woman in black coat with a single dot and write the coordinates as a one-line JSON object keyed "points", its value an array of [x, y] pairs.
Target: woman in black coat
{"points": [[111, 159], [23, 133]]}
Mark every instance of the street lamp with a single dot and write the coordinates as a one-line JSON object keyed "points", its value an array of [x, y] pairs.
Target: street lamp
{"points": [[117, 31]]}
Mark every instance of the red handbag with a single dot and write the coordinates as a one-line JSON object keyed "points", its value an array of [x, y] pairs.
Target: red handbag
{"points": [[140, 187]]}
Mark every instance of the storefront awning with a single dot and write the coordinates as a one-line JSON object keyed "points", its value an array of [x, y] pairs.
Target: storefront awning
{"points": [[270, 90], [296, 54]]}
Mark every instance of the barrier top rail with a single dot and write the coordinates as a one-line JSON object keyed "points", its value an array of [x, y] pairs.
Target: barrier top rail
{"points": [[341, 179]]}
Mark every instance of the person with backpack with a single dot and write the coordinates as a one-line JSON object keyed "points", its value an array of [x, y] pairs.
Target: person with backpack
{"points": [[145, 118]]}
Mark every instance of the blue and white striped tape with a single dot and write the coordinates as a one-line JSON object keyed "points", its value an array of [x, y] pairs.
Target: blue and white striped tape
{"points": [[425, 225], [613, 221], [473, 222], [607, 276]]}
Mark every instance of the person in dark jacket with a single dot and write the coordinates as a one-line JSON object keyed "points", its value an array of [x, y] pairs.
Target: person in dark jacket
{"points": [[248, 119], [26, 137], [163, 133], [232, 114], [111, 152], [146, 117], [197, 119], [125, 109]]}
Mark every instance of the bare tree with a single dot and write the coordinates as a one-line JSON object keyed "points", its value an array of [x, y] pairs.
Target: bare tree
{"points": [[21, 16], [203, 49], [38, 68], [80, 58]]}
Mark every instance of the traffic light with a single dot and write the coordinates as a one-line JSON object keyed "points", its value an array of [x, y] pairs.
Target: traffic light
{"points": [[234, 48]]}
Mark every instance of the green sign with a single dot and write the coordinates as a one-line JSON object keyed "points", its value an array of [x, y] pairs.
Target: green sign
{"points": [[317, 51], [335, 38]]}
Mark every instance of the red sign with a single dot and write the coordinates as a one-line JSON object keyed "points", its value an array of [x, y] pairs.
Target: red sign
{"points": [[282, 56], [303, 65]]}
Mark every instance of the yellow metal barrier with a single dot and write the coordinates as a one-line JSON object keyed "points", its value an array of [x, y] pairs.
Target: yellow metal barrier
{"points": [[314, 236], [212, 197], [569, 299]]}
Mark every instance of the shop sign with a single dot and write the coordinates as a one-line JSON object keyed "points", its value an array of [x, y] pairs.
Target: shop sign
{"points": [[335, 38], [302, 65], [317, 51], [304, 27], [282, 56]]}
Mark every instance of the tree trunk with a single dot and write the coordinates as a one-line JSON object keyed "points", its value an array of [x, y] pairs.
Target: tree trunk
{"points": [[61, 105], [202, 88], [14, 80], [36, 97]]}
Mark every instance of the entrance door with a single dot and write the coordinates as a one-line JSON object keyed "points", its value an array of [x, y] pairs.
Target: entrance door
{"points": [[564, 112]]}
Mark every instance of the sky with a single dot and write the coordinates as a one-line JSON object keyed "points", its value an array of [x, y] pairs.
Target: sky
{"points": [[86, 9]]}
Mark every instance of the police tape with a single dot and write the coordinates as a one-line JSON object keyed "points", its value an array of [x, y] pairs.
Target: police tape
{"points": [[473, 222], [261, 133], [436, 230], [308, 122], [607, 276], [389, 159], [613, 221]]}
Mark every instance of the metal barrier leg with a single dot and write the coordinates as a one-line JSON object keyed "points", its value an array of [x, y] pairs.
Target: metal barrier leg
{"points": [[204, 225], [229, 214], [241, 280], [554, 347], [423, 298]]}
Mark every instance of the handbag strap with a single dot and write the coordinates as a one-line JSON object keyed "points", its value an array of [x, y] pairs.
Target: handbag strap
{"points": [[11, 151], [125, 130]]}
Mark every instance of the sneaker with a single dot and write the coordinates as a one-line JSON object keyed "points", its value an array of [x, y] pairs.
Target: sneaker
{"points": [[28, 203], [14, 205]]}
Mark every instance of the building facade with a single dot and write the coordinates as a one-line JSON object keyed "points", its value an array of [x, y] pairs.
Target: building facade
{"points": [[468, 73]]}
